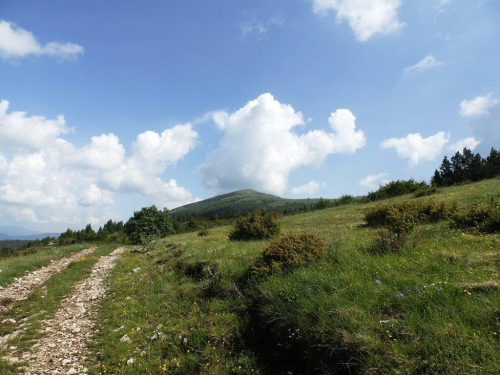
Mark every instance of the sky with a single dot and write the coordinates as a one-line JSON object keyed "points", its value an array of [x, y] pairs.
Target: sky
{"points": [[110, 106]]}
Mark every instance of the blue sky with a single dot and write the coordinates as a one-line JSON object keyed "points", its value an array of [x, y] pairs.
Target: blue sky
{"points": [[186, 100]]}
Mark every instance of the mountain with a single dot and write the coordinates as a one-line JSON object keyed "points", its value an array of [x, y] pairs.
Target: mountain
{"points": [[11, 232], [242, 201]]}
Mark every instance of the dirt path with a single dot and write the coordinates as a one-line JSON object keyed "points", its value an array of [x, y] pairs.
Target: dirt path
{"points": [[63, 349], [23, 286]]}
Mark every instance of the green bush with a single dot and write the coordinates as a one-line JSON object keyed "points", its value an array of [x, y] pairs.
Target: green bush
{"points": [[407, 212], [288, 253], [255, 226], [149, 223], [394, 189], [203, 233], [386, 241], [480, 217], [426, 191]]}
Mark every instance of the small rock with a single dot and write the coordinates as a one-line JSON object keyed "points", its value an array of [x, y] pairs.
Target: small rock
{"points": [[72, 371], [135, 270], [118, 329], [131, 361], [154, 337], [125, 338]]}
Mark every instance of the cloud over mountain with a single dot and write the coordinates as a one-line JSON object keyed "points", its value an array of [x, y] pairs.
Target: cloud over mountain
{"points": [[259, 147]]}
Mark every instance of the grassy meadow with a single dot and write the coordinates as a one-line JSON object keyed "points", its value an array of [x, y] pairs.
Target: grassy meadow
{"points": [[191, 306]]}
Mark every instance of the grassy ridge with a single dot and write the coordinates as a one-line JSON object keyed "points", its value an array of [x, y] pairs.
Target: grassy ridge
{"points": [[432, 310], [16, 266], [243, 201]]}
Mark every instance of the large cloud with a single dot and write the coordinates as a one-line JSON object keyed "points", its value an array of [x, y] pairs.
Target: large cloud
{"points": [[365, 17], [42, 172], [16, 43], [415, 148], [259, 148]]}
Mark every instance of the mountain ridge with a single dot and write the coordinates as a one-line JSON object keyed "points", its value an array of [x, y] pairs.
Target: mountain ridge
{"points": [[243, 201]]}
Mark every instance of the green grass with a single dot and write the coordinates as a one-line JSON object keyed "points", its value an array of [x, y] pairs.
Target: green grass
{"points": [[16, 266], [431, 310], [43, 304]]}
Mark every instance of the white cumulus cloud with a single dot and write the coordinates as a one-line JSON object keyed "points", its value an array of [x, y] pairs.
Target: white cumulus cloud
{"points": [[428, 62], [259, 148], [17, 129], [374, 181], [16, 43], [365, 17], [93, 196], [308, 189], [470, 143], [479, 106], [42, 172], [25, 214], [415, 148]]}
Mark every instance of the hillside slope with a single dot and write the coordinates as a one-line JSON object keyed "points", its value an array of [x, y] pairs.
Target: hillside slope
{"points": [[242, 201]]}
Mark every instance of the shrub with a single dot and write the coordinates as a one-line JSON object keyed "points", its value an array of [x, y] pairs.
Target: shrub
{"points": [[288, 253], [426, 192], [394, 189], [255, 226], [406, 212], [480, 217], [203, 233], [387, 241], [148, 223]]}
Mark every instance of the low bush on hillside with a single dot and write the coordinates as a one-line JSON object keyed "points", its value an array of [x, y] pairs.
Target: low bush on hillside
{"points": [[426, 192], [394, 189], [255, 226], [288, 253], [481, 217], [203, 233], [406, 213]]}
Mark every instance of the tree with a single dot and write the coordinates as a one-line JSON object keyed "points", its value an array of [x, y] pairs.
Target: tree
{"points": [[148, 223]]}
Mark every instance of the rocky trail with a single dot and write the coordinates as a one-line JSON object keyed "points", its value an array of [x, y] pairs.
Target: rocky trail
{"points": [[62, 350], [23, 286]]}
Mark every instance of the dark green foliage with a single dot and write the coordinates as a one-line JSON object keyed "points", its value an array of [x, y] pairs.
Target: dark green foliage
{"points": [[465, 166], [322, 204], [22, 247], [395, 189], [255, 226], [407, 212], [149, 223], [480, 217], [111, 232], [203, 233], [288, 253], [426, 192]]}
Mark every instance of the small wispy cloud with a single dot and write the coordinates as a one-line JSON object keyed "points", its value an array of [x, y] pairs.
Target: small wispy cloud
{"points": [[17, 43], [260, 28], [428, 62], [479, 106]]}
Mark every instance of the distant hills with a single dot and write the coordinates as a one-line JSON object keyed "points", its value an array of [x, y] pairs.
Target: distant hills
{"points": [[11, 232], [242, 201]]}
